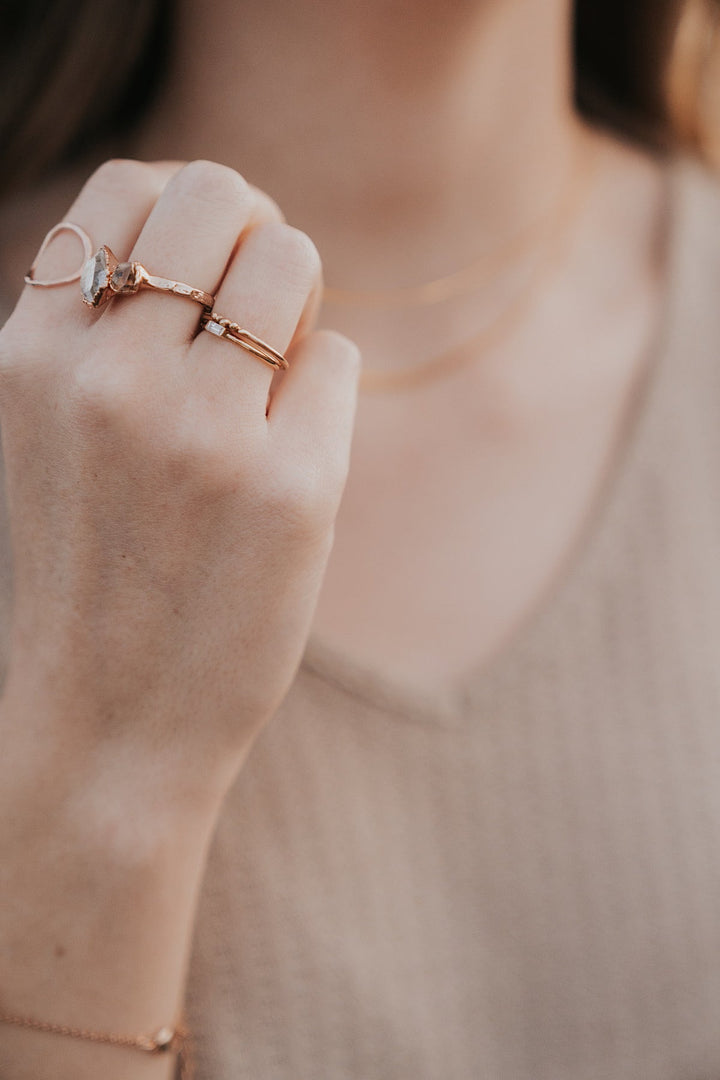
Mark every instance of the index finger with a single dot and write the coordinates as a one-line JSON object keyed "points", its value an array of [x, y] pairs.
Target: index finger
{"points": [[111, 209]]}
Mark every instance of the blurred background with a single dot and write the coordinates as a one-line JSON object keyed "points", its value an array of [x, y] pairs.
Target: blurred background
{"points": [[76, 74]]}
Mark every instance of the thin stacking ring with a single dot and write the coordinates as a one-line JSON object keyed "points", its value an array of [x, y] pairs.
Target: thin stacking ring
{"points": [[103, 277], [62, 226], [231, 331]]}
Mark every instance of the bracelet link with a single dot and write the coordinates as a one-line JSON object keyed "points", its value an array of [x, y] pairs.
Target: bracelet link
{"points": [[164, 1040]]}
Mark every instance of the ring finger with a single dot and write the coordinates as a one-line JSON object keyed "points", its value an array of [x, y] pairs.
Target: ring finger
{"points": [[270, 284]]}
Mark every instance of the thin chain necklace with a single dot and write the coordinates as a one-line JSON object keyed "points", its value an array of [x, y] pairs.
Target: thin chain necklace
{"points": [[459, 282], [555, 232]]}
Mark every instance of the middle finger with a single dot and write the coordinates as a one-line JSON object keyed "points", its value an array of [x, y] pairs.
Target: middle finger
{"points": [[189, 236]]}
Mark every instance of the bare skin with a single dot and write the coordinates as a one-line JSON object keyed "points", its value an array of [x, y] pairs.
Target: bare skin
{"points": [[118, 768], [417, 185], [145, 483]]}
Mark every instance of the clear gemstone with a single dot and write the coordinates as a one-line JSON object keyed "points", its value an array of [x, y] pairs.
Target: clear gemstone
{"points": [[121, 276], [86, 278], [94, 278], [184, 290], [215, 328]]}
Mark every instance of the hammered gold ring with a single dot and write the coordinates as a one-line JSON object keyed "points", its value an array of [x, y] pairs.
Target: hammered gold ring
{"points": [[232, 331], [104, 277]]}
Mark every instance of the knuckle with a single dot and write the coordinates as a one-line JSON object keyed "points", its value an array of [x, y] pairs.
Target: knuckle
{"points": [[118, 175], [301, 503], [213, 183], [294, 248], [200, 457], [100, 392]]}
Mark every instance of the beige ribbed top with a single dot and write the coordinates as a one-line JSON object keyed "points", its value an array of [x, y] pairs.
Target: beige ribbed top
{"points": [[519, 880]]}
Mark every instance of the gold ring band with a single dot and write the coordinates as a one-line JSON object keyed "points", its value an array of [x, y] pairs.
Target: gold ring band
{"points": [[231, 331], [103, 277], [62, 226]]}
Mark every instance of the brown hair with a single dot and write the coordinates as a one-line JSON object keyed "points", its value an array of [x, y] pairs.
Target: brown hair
{"points": [[75, 72]]}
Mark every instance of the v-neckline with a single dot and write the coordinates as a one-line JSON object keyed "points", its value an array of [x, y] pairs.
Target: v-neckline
{"points": [[448, 705]]}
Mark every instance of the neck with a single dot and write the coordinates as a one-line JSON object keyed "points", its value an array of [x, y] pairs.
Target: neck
{"points": [[380, 129]]}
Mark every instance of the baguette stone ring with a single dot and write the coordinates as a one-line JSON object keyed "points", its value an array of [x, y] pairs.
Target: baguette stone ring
{"points": [[224, 328], [103, 278]]}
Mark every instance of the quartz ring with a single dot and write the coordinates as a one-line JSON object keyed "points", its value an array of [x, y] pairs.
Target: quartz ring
{"points": [[231, 331], [103, 277]]}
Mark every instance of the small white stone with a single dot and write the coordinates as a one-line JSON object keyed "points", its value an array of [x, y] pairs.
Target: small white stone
{"points": [[215, 328], [163, 1039], [184, 290]]}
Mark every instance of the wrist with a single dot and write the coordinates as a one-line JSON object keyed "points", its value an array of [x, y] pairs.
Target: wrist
{"points": [[54, 756], [99, 904]]}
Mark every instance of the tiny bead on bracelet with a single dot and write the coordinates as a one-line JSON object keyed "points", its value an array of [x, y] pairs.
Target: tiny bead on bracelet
{"points": [[165, 1040]]}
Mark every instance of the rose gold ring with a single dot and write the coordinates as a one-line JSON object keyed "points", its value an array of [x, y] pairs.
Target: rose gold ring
{"points": [[103, 277], [232, 331], [63, 226]]}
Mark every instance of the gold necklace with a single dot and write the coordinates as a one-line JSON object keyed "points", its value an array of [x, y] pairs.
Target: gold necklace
{"points": [[557, 227], [464, 280]]}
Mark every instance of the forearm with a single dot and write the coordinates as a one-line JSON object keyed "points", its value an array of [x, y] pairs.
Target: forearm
{"points": [[98, 898]]}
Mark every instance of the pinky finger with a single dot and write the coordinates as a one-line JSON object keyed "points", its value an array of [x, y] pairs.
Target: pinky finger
{"points": [[312, 411]]}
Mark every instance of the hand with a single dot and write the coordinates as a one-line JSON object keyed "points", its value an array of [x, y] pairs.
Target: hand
{"points": [[169, 530]]}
